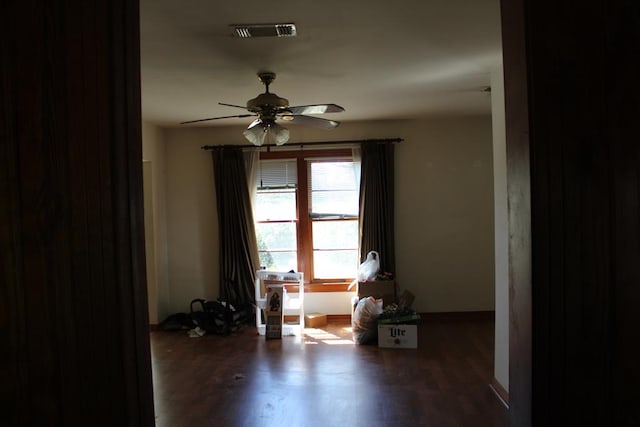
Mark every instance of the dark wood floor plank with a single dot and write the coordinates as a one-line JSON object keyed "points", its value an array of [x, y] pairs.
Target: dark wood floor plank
{"points": [[327, 380]]}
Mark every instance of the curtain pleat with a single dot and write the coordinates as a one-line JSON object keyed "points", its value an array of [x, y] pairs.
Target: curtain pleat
{"points": [[238, 247], [251, 159], [377, 204]]}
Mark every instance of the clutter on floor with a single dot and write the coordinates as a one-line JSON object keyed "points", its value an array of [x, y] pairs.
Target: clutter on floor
{"points": [[364, 320], [209, 317], [196, 332], [379, 289], [391, 325], [315, 320], [369, 268], [177, 322], [273, 312], [288, 318], [398, 325]]}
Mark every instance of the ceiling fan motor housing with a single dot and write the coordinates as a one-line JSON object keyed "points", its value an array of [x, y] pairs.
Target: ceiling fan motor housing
{"points": [[267, 103]]}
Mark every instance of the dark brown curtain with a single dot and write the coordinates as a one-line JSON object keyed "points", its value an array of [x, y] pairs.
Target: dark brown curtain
{"points": [[238, 248], [377, 203]]}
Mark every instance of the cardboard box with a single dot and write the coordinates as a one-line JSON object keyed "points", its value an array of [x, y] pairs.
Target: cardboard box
{"points": [[273, 328], [314, 320], [385, 289], [274, 315], [408, 319], [398, 336], [406, 299]]}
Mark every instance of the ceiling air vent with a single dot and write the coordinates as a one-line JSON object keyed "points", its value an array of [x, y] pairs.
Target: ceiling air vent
{"points": [[264, 30]]}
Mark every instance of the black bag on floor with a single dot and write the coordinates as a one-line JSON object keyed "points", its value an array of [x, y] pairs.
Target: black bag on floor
{"points": [[177, 322], [209, 315]]}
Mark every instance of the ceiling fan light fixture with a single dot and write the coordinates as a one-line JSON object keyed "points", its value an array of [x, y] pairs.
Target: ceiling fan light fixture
{"points": [[256, 135], [280, 134], [246, 31], [258, 131]]}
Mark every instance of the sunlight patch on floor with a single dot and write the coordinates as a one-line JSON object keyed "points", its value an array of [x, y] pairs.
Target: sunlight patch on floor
{"points": [[319, 335], [338, 342]]}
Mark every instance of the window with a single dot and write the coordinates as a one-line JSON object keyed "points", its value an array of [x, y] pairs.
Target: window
{"points": [[306, 214], [333, 210], [276, 215]]}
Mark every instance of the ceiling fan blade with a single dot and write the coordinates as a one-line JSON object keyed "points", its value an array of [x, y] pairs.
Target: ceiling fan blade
{"points": [[232, 105], [310, 121], [254, 123], [217, 118], [315, 109]]}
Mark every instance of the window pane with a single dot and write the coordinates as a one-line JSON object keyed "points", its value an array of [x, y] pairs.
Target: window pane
{"points": [[334, 202], [277, 174], [335, 234], [333, 176], [335, 264], [275, 205], [279, 261], [276, 236], [333, 189]]}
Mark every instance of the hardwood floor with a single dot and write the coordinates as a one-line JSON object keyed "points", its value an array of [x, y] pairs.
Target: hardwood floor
{"points": [[326, 380]]}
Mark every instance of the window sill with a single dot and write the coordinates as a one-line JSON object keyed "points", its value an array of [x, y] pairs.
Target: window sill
{"points": [[327, 287]]}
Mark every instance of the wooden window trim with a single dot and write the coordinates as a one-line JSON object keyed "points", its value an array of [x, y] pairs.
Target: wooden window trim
{"points": [[326, 287], [319, 287], [304, 154], [304, 222]]}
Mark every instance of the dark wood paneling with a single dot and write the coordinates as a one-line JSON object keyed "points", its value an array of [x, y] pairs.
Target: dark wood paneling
{"points": [[622, 110], [582, 99], [73, 277]]}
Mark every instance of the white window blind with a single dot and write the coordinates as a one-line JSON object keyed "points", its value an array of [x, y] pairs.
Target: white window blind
{"points": [[275, 174], [334, 192]]}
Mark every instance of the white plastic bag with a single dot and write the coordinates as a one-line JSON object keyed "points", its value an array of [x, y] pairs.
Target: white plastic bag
{"points": [[368, 270]]}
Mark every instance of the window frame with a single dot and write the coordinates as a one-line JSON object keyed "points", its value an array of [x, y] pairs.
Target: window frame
{"points": [[303, 219]]}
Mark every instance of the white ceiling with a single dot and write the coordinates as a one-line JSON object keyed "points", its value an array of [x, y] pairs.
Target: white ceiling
{"points": [[379, 59]]}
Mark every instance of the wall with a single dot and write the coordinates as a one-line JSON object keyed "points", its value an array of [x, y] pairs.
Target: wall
{"points": [[444, 211], [149, 241], [444, 214], [155, 222]]}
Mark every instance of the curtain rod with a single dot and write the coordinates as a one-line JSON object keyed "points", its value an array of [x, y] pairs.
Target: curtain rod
{"points": [[304, 144]]}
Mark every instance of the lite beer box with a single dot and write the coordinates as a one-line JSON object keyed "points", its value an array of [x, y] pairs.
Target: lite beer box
{"points": [[398, 336]]}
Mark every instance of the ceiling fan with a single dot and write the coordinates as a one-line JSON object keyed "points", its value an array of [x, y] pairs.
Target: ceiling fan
{"points": [[269, 107]]}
